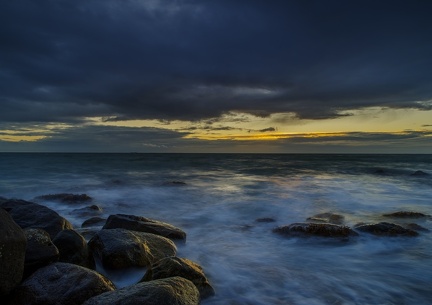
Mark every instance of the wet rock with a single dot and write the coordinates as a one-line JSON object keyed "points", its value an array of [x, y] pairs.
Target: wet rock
{"points": [[265, 219], [175, 266], [416, 227], [174, 183], [66, 198], [40, 250], [169, 291], [61, 283], [385, 229], [73, 249], [380, 171], [88, 211], [406, 214], [327, 218], [12, 253], [32, 215], [120, 248], [419, 174], [302, 229], [94, 221], [142, 224]]}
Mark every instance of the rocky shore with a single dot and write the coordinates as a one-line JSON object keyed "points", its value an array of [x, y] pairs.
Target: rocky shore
{"points": [[44, 260]]}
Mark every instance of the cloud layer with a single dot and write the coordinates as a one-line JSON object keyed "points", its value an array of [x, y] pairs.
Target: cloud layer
{"points": [[64, 61]]}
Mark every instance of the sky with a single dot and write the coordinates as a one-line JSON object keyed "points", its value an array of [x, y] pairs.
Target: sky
{"points": [[222, 76]]}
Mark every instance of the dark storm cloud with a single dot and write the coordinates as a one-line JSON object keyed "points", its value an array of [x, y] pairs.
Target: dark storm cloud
{"points": [[63, 60], [97, 139]]}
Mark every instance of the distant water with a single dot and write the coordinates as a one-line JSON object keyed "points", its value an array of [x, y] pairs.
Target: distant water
{"points": [[221, 199]]}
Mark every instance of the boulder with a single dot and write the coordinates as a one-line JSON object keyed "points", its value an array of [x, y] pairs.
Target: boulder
{"points": [[32, 215], [12, 253], [40, 250], [169, 291], [73, 249], [406, 214], [142, 224], [302, 229], [265, 219], [94, 221], [174, 183], [120, 248], [175, 266], [61, 283], [416, 227], [385, 229], [327, 218], [66, 198], [88, 211], [419, 174]]}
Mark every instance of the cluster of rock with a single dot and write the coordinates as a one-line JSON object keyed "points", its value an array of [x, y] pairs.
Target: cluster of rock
{"points": [[331, 225], [43, 260]]}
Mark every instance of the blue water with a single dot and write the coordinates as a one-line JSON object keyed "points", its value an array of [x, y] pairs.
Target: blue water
{"points": [[223, 196]]}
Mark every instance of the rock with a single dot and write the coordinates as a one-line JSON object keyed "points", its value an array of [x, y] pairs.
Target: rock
{"points": [[315, 229], [380, 171], [174, 183], [40, 250], [73, 249], [61, 284], [142, 224], [175, 266], [419, 174], [32, 215], [66, 198], [416, 227], [93, 221], [406, 214], [265, 219], [120, 248], [385, 229], [328, 218], [12, 253], [88, 211], [169, 291]]}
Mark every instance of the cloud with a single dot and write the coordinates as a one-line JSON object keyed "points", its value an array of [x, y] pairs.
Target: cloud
{"points": [[63, 61], [92, 139], [269, 129]]}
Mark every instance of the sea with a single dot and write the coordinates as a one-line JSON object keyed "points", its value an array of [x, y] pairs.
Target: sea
{"points": [[228, 204]]}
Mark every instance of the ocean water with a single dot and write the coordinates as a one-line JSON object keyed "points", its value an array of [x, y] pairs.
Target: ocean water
{"points": [[224, 195]]}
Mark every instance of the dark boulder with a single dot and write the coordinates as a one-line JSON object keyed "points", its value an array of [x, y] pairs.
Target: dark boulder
{"points": [[73, 249], [91, 210], [265, 219], [94, 221], [174, 183], [169, 291], [419, 174], [385, 229], [406, 214], [66, 198], [175, 266], [32, 215], [142, 224], [61, 284], [416, 227], [302, 229], [12, 253], [328, 218], [120, 248], [40, 250]]}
